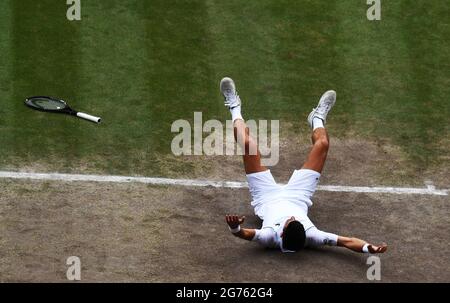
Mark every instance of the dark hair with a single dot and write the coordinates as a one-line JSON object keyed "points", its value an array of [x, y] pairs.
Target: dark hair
{"points": [[294, 236]]}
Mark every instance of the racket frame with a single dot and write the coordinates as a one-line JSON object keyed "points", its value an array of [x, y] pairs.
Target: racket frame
{"points": [[65, 110]]}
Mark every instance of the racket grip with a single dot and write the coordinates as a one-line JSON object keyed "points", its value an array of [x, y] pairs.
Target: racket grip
{"points": [[89, 117]]}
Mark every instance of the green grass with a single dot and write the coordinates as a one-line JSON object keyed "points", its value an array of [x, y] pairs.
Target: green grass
{"points": [[143, 64]]}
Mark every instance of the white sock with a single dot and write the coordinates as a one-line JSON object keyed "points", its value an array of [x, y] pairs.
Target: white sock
{"points": [[317, 123], [236, 113]]}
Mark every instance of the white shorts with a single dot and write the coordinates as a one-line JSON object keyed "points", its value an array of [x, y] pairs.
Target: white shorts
{"points": [[301, 187]]}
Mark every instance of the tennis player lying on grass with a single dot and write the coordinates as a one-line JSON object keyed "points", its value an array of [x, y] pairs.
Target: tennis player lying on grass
{"points": [[284, 209]]}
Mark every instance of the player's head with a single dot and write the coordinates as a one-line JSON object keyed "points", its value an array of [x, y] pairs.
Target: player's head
{"points": [[293, 237]]}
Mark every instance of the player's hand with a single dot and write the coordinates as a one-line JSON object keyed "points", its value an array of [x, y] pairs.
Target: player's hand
{"points": [[374, 249], [234, 221]]}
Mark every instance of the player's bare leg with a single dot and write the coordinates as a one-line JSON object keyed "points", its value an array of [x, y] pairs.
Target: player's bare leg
{"points": [[318, 154], [321, 142], [252, 156]]}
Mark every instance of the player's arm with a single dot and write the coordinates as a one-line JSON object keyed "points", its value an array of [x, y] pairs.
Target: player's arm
{"points": [[361, 246], [234, 222]]}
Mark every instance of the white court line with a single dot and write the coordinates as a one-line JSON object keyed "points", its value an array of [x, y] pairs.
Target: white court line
{"points": [[429, 190]]}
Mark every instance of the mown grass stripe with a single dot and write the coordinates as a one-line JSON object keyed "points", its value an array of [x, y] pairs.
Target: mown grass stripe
{"points": [[114, 81], [45, 60], [6, 82]]}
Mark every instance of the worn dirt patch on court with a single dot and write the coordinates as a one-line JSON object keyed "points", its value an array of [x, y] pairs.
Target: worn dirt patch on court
{"points": [[134, 232]]}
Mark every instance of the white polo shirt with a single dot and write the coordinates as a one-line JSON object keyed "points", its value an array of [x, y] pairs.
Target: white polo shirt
{"points": [[275, 214]]}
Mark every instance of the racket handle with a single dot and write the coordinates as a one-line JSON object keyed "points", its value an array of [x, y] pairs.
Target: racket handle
{"points": [[89, 117]]}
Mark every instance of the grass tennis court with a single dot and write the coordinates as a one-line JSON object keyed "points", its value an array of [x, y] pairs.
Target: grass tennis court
{"points": [[143, 64]]}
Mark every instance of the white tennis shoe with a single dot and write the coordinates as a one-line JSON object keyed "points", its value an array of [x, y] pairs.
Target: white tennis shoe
{"points": [[228, 89], [326, 103]]}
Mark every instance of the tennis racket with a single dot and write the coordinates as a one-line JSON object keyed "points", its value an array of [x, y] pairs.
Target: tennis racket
{"points": [[52, 105]]}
